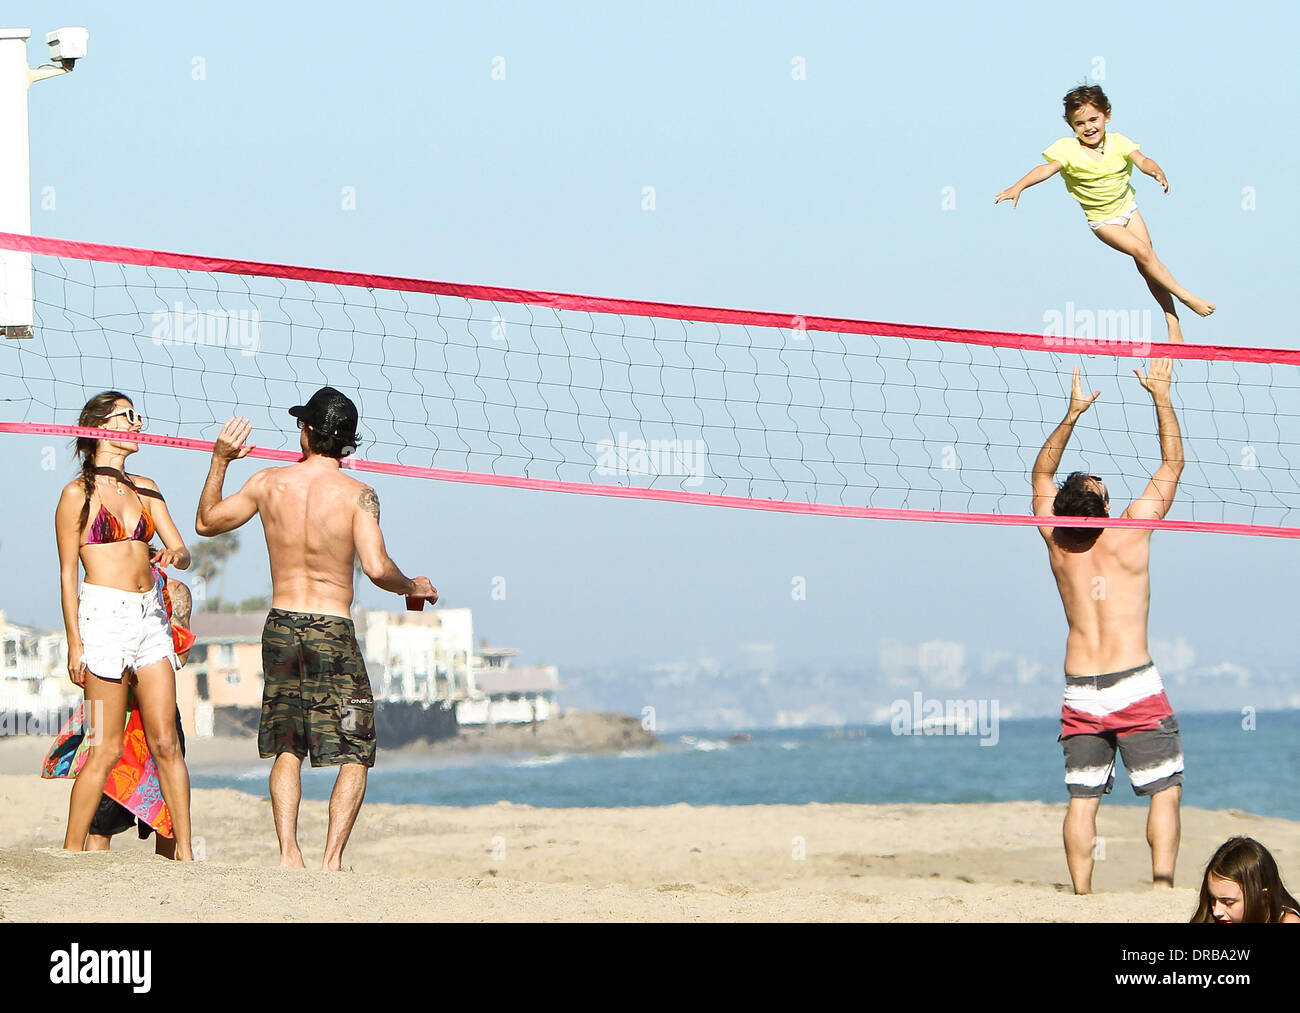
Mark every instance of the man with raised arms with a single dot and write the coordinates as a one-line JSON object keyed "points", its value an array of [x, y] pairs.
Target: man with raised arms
{"points": [[317, 698], [1113, 693]]}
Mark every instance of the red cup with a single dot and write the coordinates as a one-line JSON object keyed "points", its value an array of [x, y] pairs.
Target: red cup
{"points": [[414, 604]]}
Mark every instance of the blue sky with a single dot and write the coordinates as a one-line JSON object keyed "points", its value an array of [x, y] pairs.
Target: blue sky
{"points": [[821, 195]]}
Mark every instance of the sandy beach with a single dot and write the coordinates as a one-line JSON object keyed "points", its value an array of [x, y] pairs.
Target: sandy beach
{"points": [[507, 862]]}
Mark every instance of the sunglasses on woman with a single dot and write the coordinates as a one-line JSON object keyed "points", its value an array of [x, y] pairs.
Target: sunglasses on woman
{"points": [[133, 417]]}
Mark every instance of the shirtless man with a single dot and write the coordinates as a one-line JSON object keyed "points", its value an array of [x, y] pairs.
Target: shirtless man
{"points": [[1104, 580], [317, 698]]}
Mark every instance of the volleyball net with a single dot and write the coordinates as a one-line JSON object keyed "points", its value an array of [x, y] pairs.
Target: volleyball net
{"points": [[617, 397]]}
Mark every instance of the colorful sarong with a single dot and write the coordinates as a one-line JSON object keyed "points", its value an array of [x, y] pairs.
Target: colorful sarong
{"points": [[133, 782]]}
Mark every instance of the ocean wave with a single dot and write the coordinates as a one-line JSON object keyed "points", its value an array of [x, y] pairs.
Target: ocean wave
{"points": [[543, 761]]}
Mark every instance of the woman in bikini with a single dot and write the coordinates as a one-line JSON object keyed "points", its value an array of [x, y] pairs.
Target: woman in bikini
{"points": [[118, 625]]}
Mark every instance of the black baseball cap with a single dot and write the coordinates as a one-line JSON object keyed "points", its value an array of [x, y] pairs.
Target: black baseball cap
{"points": [[330, 412]]}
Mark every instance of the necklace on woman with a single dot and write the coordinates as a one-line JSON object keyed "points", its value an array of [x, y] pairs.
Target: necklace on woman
{"points": [[123, 480], [115, 475]]}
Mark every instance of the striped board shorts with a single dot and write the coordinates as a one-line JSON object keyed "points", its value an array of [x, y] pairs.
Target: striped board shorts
{"points": [[1127, 711]]}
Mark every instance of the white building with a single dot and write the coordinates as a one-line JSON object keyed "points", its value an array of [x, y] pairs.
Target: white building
{"points": [[411, 657], [419, 657], [428, 657], [506, 695], [34, 671]]}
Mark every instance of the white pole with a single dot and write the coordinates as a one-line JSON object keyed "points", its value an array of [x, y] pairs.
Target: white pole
{"points": [[15, 184], [67, 46]]}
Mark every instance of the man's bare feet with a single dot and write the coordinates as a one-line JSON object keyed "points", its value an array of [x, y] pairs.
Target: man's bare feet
{"points": [[1198, 306], [292, 860]]}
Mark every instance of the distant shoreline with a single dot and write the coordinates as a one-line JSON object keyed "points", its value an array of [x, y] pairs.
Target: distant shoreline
{"points": [[571, 732]]}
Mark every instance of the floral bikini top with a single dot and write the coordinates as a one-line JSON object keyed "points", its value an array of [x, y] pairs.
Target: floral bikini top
{"points": [[106, 528]]}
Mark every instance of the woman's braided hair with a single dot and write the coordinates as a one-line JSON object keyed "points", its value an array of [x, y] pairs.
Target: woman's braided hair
{"points": [[93, 416]]}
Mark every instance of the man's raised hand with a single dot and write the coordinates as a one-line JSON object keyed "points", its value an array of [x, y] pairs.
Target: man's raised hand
{"points": [[230, 441], [1078, 403], [1158, 377]]}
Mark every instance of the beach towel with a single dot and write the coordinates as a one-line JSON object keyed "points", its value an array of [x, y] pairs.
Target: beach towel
{"points": [[133, 782]]}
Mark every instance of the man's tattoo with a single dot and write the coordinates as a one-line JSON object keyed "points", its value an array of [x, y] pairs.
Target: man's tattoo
{"points": [[182, 603], [369, 502]]}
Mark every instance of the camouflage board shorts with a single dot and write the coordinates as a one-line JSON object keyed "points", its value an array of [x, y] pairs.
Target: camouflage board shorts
{"points": [[316, 700]]}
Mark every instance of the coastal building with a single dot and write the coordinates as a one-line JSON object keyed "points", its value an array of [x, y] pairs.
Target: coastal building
{"points": [[34, 671], [509, 695], [418, 657], [412, 657], [416, 660], [222, 680]]}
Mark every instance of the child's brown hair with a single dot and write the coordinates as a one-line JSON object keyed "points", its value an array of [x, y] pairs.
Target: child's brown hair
{"points": [[1086, 95], [1246, 862]]}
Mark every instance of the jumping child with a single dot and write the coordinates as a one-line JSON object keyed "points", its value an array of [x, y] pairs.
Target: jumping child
{"points": [[1097, 167]]}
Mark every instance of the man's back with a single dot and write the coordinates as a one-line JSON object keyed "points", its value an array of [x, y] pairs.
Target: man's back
{"points": [[308, 511], [1114, 699], [317, 700], [1106, 592]]}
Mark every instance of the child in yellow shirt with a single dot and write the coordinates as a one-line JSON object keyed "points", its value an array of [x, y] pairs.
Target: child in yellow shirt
{"points": [[1096, 167]]}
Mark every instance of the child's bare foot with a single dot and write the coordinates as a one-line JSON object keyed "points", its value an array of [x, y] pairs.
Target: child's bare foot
{"points": [[1198, 306]]}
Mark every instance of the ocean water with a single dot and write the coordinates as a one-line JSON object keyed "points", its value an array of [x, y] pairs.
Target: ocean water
{"points": [[1227, 768]]}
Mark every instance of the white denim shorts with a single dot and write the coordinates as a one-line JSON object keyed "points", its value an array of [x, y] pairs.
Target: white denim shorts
{"points": [[123, 629], [1121, 219]]}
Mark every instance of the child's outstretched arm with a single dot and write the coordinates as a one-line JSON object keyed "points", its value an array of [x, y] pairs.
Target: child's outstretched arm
{"points": [[1148, 165], [1035, 175]]}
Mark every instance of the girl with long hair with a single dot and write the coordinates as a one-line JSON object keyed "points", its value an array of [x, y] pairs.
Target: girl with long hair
{"points": [[1242, 884], [117, 626]]}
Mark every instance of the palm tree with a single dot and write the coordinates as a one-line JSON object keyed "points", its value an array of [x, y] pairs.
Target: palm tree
{"points": [[208, 561]]}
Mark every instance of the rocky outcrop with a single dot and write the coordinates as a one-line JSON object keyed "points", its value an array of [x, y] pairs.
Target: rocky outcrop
{"points": [[571, 732], [434, 728]]}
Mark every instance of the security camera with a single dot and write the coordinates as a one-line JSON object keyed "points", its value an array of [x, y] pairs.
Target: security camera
{"points": [[67, 45]]}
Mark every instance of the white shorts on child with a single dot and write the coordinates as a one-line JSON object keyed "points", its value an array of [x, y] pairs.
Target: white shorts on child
{"points": [[123, 629], [1120, 220]]}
